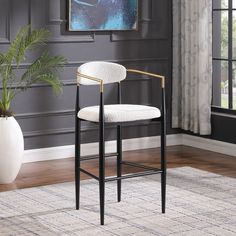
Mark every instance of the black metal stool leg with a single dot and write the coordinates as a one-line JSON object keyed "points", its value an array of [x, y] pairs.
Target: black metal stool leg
{"points": [[163, 153], [163, 190], [101, 174], [101, 163], [77, 162], [119, 160]]}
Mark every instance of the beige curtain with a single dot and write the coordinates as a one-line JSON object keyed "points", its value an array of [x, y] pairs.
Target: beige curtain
{"points": [[192, 65]]}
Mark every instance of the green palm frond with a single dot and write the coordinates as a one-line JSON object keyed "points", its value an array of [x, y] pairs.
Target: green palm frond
{"points": [[31, 41], [44, 65], [52, 80], [26, 40], [42, 70], [2, 59], [36, 38], [17, 43]]}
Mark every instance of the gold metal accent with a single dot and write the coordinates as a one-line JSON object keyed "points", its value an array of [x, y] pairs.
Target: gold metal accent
{"points": [[93, 79], [150, 74]]}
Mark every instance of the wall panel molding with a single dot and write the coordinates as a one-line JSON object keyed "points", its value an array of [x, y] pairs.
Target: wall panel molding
{"points": [[40, 133], [5, 22], [86, 37], [125, 60], [146, 10], [73, 82], [85, 128], [144, 33], [44, 114]]}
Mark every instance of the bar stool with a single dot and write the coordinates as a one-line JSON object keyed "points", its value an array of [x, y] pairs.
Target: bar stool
{"points": [[101, 73]]}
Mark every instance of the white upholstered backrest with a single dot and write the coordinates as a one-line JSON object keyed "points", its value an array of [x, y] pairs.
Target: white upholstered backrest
{"points": [[107, 71]]}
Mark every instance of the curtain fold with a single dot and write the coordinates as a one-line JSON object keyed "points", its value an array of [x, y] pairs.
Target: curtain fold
{"points": [[192, 65]]}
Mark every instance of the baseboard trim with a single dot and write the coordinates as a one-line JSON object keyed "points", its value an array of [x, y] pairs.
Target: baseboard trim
{"points": [[209, 144], [62, 152]]}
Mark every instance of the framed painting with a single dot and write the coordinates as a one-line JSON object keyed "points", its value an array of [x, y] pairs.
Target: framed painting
{"points": [[101, 15]]}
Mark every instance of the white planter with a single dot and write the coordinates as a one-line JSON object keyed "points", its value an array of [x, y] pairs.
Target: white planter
{"points": [[11, 149]]}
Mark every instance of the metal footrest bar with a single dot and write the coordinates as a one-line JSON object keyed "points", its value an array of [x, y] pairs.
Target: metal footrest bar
{"points": [[139, 166], [86, 158], [149, 171], [139, 174], [89, 174]]}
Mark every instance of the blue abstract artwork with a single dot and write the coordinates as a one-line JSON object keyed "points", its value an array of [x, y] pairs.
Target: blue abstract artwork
{"points": [[91, 15]]}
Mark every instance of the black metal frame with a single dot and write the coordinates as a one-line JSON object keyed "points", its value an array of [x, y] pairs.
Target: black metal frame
{"points": [[101, 178], [230, 58]]}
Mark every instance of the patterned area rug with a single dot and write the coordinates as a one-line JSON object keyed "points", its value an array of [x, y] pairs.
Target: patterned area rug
{"points": [[198, 203]]}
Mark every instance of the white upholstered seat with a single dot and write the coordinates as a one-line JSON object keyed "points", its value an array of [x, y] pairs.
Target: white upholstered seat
{"points": [[120, 113]]}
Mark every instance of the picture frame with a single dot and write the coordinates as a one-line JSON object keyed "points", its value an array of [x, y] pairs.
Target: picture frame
{"points": [[102, 15]]}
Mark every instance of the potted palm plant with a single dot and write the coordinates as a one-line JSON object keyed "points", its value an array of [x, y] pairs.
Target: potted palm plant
{"points": [[43, 70]]}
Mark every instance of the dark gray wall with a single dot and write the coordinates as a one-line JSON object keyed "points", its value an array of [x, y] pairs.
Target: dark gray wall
{"points": [[47, 120]]}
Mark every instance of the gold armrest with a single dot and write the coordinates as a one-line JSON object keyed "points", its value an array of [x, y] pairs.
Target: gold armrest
{"points": [[150, 74], [93, 79]]}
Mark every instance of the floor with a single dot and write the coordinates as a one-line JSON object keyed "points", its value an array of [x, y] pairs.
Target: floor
{"points": [[50, 172]]}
